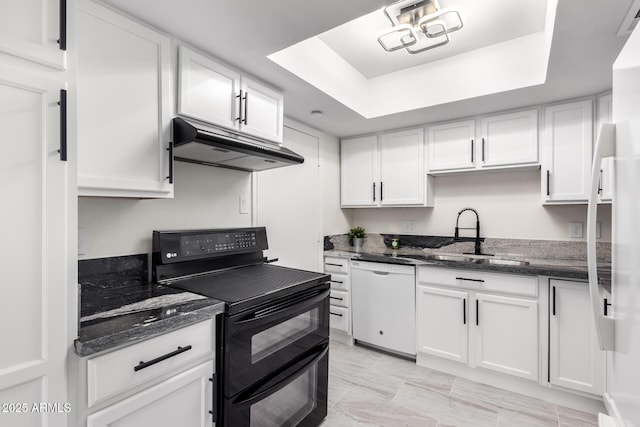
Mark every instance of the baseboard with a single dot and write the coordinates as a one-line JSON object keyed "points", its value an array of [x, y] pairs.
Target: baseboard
{"points": [[578, 401], [612, 409], [341, 337]]}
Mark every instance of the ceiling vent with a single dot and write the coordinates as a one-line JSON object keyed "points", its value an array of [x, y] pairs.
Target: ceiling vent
{"points": [[630, 20]]}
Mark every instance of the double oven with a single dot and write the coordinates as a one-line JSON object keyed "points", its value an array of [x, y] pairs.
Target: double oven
{"points": [[272, 340]]}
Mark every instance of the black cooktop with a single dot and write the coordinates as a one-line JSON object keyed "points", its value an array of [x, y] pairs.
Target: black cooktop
{"points": [[248, 287]]}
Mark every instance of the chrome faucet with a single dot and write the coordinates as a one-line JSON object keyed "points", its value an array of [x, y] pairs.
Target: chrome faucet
{"points": [[456, 236]]}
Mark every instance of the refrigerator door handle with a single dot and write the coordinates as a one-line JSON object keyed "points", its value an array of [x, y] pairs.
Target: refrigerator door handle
{"points": [[604, 148]]}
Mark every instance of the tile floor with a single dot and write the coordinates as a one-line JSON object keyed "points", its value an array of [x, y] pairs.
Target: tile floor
{"points": [[370, 388]]}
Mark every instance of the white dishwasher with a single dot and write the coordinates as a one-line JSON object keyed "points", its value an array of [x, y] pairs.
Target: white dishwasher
{"points": [[383, 305]]}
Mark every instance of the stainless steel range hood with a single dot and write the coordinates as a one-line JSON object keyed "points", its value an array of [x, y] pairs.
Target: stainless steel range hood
{"points": [[210, 146]]}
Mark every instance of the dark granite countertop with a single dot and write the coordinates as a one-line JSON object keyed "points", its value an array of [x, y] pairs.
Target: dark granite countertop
{"points": [[118, 305], [561, 268]]}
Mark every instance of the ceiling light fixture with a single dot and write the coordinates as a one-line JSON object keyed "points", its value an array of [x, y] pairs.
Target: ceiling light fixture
{"points": [[418, 26]]}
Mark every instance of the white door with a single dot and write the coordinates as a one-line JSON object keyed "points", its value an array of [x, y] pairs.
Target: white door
{"points": [[575, 360], [452, 146], [34, 229], [288, 203], [443, 323], [262, 110], [402, 174], [184, 400], [509, 139], [605, 115], [506, 334], [207, 90], [30, 29], [124, 105], [359, 172], [568, 135]]}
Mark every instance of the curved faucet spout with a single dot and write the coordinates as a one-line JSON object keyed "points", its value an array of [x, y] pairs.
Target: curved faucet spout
{"points": [[456, 236]]}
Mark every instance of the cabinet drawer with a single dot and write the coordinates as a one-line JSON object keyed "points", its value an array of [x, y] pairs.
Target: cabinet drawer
{"points": [[339, 298], [339, 318], [340, 282], [114, 372], [336, 265], [479, 280]]}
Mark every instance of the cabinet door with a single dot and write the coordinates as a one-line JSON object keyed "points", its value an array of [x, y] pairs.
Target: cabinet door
{"points": [[207, 90], [30, 29], [442, 323], [35, 222], [262, 111], [605, 115], [402, 175], [359, 172], [452, 146], [509, 139], [124, 101], [507, 335], [575, 360], [568, 139], [184, 400]]}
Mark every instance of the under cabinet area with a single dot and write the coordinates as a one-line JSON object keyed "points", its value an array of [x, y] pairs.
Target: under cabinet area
{"points": [[575, 359], [124, 106], [385, 170], [167, 377], [566, 165], [383, 299], [216, 94], [481, 319]]}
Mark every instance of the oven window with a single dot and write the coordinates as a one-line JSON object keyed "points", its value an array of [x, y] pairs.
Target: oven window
{"points": [[283, 334], [289, 405]]}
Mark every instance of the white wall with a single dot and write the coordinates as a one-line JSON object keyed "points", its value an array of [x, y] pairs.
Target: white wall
{"points": [[509, 205], [205, 197], [335, 220]]}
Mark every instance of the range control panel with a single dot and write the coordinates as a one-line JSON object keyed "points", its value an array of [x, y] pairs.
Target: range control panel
{"points": [[175, 246]]}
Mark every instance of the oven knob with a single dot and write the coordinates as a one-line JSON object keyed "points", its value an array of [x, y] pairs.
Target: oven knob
{"points": [[169, 254]]}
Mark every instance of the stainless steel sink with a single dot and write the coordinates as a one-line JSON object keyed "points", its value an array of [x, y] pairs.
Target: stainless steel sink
{"points": [[498, 261], [443, 257]]}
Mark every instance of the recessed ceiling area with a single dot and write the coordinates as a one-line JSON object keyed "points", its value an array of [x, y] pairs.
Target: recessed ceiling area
{"points": [[503, 46]]}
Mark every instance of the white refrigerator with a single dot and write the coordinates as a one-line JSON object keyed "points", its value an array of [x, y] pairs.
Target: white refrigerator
{"points": [[619, 333]]}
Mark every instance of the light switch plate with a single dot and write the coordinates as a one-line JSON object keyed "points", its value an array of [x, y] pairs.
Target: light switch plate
{"points": [[575, 230]]}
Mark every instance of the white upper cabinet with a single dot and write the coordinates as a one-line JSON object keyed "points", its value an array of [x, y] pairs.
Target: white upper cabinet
{"points": [[33, 30], [124, 106], [402, 174], [384, 171], [567, 161], [509, 139], [213, 93], [452, 146], [605, 115], [359, 171]]}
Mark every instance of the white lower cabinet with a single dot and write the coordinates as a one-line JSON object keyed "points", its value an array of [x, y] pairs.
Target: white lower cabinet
{"points": [[184, 400], [340, 299], [459, 320], [506, 331], [575, 360], [443, 327]]}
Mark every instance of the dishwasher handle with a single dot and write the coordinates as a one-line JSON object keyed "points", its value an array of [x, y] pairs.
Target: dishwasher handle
{"points": [[381, 273]]}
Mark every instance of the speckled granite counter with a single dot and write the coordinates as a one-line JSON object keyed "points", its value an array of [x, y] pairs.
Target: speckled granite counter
{"points": [[546, 258], [118, 305]]}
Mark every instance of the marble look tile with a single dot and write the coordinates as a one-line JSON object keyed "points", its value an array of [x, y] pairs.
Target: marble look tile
{"points": [[408, 371], [383, 385], [447, 409], [497, 399], [515, 418], [336, 419], [366, 408], [337, 389], [572, 418]]}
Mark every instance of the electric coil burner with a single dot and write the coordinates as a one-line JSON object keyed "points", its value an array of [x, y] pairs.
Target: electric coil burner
{"points": [[272, 341]]}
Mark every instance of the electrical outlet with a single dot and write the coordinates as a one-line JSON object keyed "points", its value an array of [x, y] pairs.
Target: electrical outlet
{"points": [[410, 226], [575, 230]]}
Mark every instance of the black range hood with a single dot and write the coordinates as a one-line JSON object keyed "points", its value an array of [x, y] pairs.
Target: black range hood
{"points": [[210, 146]]}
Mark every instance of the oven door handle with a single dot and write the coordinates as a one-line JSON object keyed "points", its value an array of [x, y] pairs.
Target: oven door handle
{"points": [[289, 375], [294, 307]]}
